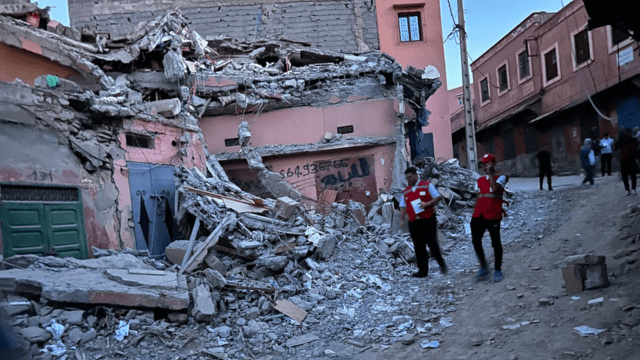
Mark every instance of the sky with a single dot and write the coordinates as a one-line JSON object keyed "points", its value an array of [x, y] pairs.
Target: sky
{"points": [[487, 21]]}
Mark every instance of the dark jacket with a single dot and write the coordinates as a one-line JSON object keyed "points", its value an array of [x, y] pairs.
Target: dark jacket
{"points": [[584, 156]]}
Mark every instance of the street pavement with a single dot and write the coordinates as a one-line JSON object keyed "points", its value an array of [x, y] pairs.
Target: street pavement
{"points": [[558, 182]]}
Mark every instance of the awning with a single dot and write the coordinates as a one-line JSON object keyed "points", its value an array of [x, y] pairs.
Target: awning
{"points": [[557, 111], [525, 106]]}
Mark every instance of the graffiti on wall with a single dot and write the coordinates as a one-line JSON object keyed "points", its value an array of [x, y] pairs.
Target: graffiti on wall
{"points": [[343, 177], [40, 175], [313, 168], [355, 181]]}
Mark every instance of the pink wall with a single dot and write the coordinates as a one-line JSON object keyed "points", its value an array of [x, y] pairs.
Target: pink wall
{"points": [[164, 152], [420, 54], [302, 125], [306, 182], [20, 64]]}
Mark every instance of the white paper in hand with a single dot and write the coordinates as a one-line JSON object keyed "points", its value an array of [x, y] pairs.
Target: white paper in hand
{"points": [[416, 206]]}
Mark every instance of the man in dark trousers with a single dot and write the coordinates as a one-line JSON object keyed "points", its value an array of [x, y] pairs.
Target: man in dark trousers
{"points": [[627, 145], [487, 215], [606, 150], [543, 159], [418, 202]]}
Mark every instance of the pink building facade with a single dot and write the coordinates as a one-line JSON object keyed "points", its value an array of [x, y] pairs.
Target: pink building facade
{"points": [[532, 90], [419, 47]]}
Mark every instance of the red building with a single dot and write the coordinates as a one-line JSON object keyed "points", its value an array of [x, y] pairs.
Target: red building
{"points": [[549, 84]]}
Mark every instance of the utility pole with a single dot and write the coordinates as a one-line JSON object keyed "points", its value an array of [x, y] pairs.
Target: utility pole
{"points": [[469, 129]]}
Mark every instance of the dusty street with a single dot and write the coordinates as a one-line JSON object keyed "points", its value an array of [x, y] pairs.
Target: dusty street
{"points": [[559, 223]]}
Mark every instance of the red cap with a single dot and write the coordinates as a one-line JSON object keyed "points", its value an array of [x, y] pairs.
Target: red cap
{"points": [[488, 158]]}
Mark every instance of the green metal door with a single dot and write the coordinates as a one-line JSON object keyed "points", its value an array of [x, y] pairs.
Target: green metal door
{"points": [[42, 221], [65, 230], [23, 229]]}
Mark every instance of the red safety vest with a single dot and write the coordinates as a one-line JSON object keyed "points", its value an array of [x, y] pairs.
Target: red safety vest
{"points": [[422, 193], [489, 205]]}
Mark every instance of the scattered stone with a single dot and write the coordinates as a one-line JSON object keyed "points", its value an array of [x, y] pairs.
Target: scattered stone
{"points": [[252, 313], [544, 302], [88, 336], [223, 331], [179, 318], [279, 349], [214, 263], [408, 339], [511, 287], [215, 279], [74, 336], [36, 334], [72, 317]]}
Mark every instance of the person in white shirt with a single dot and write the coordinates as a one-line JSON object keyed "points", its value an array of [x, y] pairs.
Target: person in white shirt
{"points": [[606, 150]]}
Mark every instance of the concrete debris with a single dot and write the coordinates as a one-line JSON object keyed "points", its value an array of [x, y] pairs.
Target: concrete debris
{"points": [[203, 306], [585, 272], [215, 279]]}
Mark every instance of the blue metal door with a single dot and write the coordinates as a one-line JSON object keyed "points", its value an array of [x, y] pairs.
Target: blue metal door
{"points": [[628, 113], [152, 199], [426, 145]]}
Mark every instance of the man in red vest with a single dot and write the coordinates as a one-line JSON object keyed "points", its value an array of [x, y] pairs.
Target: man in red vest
{"points": [[487, 215], [419, 201]]}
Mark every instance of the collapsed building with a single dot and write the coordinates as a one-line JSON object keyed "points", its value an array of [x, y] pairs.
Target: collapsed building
{"points": [[123, 112], [117, 149]]}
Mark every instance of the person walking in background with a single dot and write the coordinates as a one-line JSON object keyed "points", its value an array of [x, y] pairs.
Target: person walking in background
{"points": [[588, 161], [487, 215], [628, 168], [606, 148], [543, 159]]}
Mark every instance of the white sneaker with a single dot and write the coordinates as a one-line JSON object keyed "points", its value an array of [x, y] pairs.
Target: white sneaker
{"points": [[627, 193], [633, 192]]}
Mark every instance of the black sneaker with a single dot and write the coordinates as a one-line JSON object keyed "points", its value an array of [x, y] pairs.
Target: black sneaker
{"points": [[444, 270], [420, 274]]}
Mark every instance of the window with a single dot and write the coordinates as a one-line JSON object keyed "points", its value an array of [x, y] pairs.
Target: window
{"points": [[460, 103], [524, 67], [618, 36], [503, 78], [551, 65], [345, 129], [484, 90], [139, 141], [581, 40], [232, 142], [410, 27]]}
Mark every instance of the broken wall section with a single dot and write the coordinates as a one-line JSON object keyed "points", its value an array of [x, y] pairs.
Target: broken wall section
{"points": [[349, 25]]}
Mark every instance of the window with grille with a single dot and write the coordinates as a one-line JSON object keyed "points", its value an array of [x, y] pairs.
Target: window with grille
{"points": [[410, 27], [140, 141], [582, 51], [503, 78], [460, 101], [232, 142], [523, 64], [551, 65], [484, 89]]}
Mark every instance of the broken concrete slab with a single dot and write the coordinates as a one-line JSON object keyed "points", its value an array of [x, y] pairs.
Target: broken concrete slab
{"points": [[214, 263], [325, 245], [160, 280], [175, 251], [215, 279], [274, 263], [203, 306], [87, 286], [120, 261], [286, 207]]}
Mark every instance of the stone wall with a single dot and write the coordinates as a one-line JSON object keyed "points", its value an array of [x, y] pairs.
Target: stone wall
{"points": [[346, 25]]}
